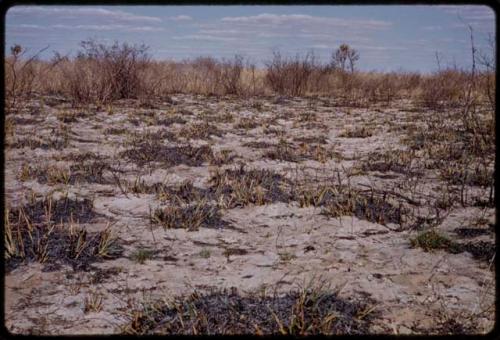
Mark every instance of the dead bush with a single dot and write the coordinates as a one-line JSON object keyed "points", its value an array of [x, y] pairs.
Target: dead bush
{"points": [[289, 75], [102, 73], [443, 88]]}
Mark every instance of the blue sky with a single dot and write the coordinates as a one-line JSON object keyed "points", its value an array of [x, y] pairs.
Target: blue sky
{"points": [[387, 37]]}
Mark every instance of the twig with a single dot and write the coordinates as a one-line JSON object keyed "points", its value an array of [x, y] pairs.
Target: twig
{"points": [[390, 192]]}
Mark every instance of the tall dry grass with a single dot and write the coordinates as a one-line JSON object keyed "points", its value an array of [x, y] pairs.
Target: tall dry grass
{"points": [[102, 73]]}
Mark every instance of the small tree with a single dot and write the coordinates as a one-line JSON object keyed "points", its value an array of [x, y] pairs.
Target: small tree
{"points": [[487, 59], [345, 57], [20, 74], [231, 74]]}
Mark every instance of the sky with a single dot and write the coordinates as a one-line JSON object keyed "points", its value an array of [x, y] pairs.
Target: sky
{"points": [[388, 38]]}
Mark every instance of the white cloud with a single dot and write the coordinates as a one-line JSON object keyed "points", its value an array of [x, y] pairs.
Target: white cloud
{"points": [[123, 28], [181, 18], [307, 20], [263, 28], [26, 26], [321, 46], [480, 18], [470, 12], [79, 11], [382, 48], [203, 37]]}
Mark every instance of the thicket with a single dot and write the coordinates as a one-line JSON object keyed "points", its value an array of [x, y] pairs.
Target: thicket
{"points": [[101, 73]]}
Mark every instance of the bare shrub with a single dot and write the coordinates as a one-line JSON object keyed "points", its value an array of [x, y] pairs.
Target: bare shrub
{"points": [[289, 75], [104, 73], [231, 74], [443, 88], [20, 75]]}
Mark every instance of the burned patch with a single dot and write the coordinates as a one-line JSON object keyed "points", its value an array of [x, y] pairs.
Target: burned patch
{"points": [[200, 131], [190, 217], [221, 312], [185, 193], [471, 232], [421, 223], [169, 120], [396, 161], [305, 117], [149, 152], [45, 144], [285, 151], [32, 235], [115, 131], [26, 121], [459, 174], [357, 132], [221, 157], [56, 211], [246, 124], [430, 240], [288, 152], [371, 208], [239, 187], [90, 172], [67, 116], [79, 157], [55, 245], [258, 145], [313, 196], [481, 250], [311, 139], [150, 137], [100, 275], [226, 117], [449, 325]]}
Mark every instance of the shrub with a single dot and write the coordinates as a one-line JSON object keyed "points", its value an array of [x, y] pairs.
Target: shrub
{"points": [[104, 73], [289, 75]]}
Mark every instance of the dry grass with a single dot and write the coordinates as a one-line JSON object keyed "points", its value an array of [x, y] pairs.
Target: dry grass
{"points": [[305, 311], [432, 240], [286, 151], [202, 130], [38, 232], [239, 187], [82, 172], [36, 143], [399, 161], [141, 255], [93, 302], [357, 132], [90, 79], [192, 217], [154, 151], [246, 124]]}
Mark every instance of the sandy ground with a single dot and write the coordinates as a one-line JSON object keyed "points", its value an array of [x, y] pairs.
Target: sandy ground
{"points": [[279, 245]]}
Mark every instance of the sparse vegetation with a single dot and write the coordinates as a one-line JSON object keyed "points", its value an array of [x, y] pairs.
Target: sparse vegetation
{"points": [[191, 217], [247, 169], [238, 187], [46, 231], [301, 312], [140, 255], [357, 132], [431, 240]]}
